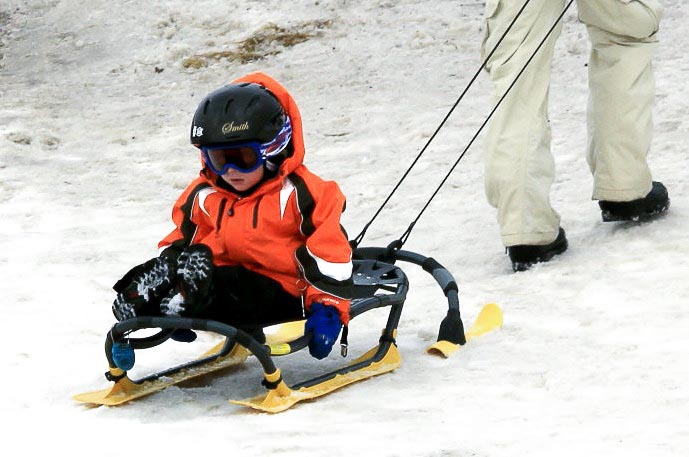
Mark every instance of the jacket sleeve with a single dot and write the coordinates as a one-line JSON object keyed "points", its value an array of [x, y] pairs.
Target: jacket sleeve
{"points": [[189, 225], [325, 259]]}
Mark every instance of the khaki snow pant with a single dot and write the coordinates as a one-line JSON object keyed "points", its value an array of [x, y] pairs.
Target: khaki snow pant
{"points": [[519, 168]]}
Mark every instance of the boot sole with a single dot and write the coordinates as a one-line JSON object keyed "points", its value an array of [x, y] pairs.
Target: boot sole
{"points": [[523, 266], [610, 216]]}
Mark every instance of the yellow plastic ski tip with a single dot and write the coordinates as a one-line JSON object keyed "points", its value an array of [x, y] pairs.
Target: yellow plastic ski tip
{"points": [[442, 348], [282, 398], [275, 401], [121, 392], [489, 319]]}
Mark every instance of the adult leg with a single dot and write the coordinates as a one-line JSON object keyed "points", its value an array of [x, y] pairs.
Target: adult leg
{"points": [[623, 37], [519, 168]]}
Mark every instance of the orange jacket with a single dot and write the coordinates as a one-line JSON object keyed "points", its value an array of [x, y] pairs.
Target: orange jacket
{"points": [[288, 229]]}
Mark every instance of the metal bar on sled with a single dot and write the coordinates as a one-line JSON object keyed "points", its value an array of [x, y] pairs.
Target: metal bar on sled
{"points": [[381, 359], [451, 333]]}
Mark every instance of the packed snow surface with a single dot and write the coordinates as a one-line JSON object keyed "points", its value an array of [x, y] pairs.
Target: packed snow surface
{"points": [[96, 100]]}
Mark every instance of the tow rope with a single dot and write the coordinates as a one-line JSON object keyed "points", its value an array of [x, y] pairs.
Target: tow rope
{"points": [[397, 244]]}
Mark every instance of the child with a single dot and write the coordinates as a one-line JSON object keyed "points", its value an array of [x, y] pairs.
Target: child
{"points": [[258, 238]]}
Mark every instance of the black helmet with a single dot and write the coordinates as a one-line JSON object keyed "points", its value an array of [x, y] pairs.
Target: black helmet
{"points": [[237, 112]]}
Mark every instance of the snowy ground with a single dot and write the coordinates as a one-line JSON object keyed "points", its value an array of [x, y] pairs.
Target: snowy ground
{"points": [[95, 103]]}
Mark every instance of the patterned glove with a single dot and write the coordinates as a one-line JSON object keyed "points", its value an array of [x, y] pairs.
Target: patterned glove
{"points": [[194, 281], [143, 285]]}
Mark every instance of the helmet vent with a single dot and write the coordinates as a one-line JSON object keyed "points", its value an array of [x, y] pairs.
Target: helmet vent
{"points": [[205, 106], [228, 104], [255, 99]]}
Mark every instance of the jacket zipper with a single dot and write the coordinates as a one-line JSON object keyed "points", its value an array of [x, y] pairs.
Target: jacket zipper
{"points": [[255, 218], [230, 212], [218, 221]]}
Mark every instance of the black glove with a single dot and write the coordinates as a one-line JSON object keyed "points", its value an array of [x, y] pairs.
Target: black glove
{"points": [[193, 282], [143, 285]]}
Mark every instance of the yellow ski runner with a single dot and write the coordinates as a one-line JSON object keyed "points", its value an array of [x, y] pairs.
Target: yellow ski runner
{"points": [[282, 397], [125, 389], [489, 319]]}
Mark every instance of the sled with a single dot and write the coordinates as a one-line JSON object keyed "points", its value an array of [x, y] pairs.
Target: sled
{"points": [[378, 283]]}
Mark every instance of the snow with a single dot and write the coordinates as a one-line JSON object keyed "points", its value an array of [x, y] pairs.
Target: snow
{"points": [[96, 101]]}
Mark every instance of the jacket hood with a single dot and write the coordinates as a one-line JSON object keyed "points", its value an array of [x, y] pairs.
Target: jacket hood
{"points": [[290, 107]]}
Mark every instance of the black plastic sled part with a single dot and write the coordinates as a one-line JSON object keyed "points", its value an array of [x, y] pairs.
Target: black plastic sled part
{"points": [[378, 283]]}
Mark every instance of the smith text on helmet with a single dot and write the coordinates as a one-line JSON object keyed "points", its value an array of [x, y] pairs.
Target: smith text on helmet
{"points": [[231, 127]]}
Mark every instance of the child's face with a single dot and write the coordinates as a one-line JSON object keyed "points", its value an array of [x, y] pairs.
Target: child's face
{"points": [[243, 181]]}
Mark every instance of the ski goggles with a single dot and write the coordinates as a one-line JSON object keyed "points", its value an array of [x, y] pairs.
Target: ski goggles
{"points": [[247, 156]]}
